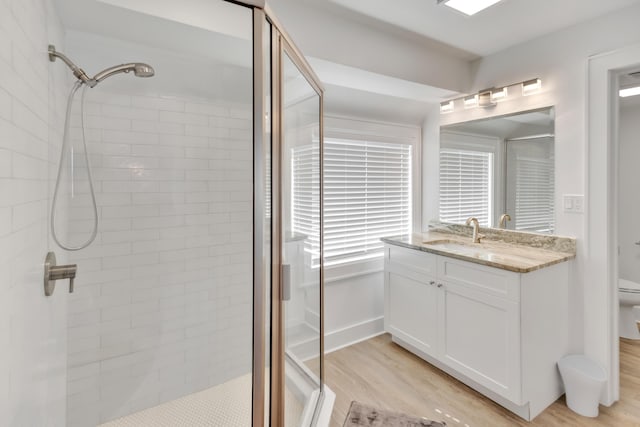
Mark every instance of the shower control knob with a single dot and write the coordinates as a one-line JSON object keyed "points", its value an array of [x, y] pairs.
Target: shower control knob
{"points": [[53, 272]]}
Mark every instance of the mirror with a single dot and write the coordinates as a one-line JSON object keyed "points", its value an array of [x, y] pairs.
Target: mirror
{"points": [[500, 165]]}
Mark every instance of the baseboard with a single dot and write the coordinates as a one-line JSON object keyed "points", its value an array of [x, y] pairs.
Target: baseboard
{"points": [[353, 334], [341, 338]]}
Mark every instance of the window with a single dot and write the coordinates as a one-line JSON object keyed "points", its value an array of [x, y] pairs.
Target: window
{"points": [[466, 185], [534, 195], [368, 195], [530, 190], [306, 197]]}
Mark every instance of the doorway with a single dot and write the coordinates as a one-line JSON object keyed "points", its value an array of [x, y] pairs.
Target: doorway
{"points": [[601, 300]]}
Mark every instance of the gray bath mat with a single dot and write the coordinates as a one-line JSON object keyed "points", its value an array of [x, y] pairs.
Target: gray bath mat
{"points": [[366, 416]]}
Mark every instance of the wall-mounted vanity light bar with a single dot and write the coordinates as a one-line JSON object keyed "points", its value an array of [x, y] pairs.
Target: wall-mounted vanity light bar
{"points": [[531, 86], [490, 97], [499, 94], [471, 101]]}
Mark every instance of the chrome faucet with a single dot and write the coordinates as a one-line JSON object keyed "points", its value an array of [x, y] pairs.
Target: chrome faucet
{"points": [[476, 229], [503, 220]]}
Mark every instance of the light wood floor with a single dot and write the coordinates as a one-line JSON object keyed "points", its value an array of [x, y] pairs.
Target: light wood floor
{"points": [[383, 374]]}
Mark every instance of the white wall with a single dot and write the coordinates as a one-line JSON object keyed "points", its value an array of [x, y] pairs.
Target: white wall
{"points": [[32, 326], [629, 197], [354, 307], [560, 60], [162, 306], [178, 72]]}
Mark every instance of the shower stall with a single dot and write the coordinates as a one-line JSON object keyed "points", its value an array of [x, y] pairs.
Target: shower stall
{"points": [[191, 202]]}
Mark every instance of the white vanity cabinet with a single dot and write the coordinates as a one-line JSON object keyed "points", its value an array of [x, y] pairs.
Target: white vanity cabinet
{"points": [[498, 331], [480, 318], [411, 299]]}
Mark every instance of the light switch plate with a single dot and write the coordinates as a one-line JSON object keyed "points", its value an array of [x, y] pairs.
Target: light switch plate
{"points": [[573, 203]]}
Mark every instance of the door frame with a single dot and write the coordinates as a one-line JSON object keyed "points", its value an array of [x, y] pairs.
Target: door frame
{"points": [[267, 291], [601, 302], [281, 44]]}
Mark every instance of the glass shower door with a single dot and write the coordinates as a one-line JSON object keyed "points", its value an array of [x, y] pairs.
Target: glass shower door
{"points": [[159, 328], [301, 276]]}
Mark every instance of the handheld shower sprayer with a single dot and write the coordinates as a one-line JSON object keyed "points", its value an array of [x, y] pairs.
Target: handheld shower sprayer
{"points": [[139, 70]]}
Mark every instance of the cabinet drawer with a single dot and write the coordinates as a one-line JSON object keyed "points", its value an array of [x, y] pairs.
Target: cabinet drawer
{"points": [[411, 259], [493, 281]]}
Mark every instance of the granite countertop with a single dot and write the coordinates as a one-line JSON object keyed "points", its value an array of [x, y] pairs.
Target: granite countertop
{"points": [[507, 250]]}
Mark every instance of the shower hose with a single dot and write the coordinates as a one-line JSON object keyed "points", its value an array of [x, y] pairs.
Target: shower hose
{"points": [[66, 152]]}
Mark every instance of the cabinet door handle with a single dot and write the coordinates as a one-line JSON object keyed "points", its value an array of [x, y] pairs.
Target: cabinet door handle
{"points": [[440, 285], [432, 283]]}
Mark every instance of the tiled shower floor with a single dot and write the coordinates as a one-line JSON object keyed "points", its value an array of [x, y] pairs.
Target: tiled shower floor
{"points": [[228, 404], [225, 405]]}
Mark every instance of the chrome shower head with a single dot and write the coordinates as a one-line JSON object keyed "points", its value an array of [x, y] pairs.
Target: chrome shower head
{"points": [[143, 70], [139, 70]]}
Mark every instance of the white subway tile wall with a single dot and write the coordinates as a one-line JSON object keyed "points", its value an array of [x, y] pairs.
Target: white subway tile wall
{"points": [[32, 326], [163, 301]]}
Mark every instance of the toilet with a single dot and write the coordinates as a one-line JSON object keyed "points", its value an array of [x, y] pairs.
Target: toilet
{"points": [[629, 295]]}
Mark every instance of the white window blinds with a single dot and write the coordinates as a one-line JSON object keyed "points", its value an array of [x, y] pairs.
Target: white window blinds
{"points": [[530, 184], [466, 183], [367, 196], [534, 204], [305, 203]]}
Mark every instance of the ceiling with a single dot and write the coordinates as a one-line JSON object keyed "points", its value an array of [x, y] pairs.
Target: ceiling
{"points": [[505, 24], [163, 33], [220, 33]]}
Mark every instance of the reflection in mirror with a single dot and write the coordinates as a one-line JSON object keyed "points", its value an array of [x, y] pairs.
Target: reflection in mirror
{"points": [[500, 170]]}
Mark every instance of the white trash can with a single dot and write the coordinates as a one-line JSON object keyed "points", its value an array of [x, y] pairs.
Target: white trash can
{"points": [[583, 382]]}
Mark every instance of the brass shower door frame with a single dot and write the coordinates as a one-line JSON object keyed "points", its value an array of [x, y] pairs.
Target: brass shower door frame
{"points": [[269, 53]]}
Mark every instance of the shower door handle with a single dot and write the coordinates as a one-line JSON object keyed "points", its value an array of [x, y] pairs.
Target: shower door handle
{"points": [[286, 282]]}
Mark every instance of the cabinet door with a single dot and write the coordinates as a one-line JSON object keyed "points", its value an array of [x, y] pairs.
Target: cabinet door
{"points": [[411, 310], [480, 338]]}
